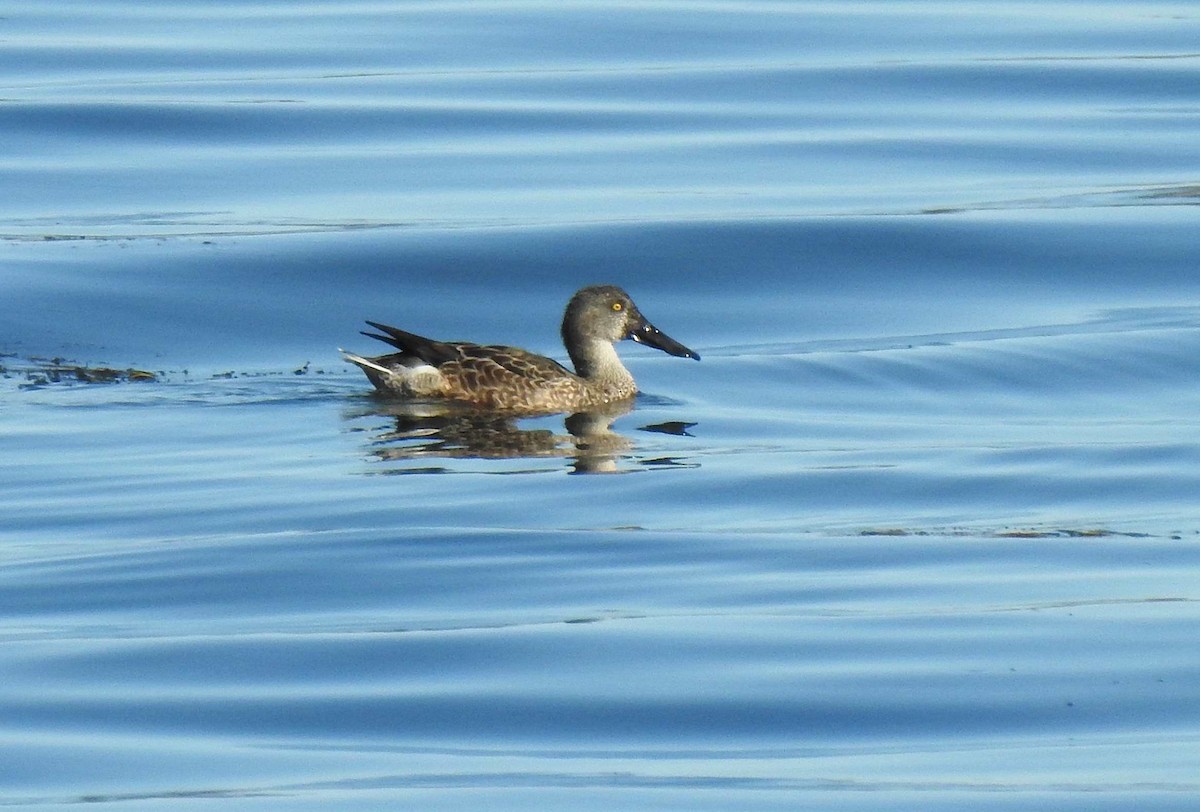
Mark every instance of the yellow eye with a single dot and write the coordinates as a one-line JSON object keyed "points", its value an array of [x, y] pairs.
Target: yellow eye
{"points": [[617, 307]]}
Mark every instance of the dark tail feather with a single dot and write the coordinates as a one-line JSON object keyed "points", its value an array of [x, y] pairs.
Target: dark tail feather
{"points": [[378, 337], [428, 350]]}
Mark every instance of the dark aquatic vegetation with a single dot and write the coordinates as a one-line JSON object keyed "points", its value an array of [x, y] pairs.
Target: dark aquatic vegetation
{"points": [[39, 372], [511, 379]]}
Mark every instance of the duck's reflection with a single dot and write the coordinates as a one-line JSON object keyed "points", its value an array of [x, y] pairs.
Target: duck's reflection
{"points": [[417, 431]]}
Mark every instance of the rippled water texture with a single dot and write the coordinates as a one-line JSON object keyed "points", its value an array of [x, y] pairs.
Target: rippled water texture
{"points": [[921, 531]]}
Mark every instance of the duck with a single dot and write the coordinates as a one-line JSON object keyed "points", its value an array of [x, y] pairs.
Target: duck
{"points": [[510, 379]]}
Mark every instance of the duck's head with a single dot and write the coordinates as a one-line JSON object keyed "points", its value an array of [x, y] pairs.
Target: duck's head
{"points": [[606, 313]]}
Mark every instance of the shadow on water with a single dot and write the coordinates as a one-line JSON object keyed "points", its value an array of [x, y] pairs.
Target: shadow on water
{"points": [[430, 431]]}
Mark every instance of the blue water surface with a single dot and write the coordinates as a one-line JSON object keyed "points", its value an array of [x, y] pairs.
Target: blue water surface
{"points": [[921, 531]]}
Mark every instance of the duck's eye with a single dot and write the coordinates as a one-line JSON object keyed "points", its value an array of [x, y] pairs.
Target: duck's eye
{"points": [[617, 307]]}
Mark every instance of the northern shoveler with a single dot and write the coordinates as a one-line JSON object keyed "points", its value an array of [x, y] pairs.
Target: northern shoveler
{"points": [[512, 379]]}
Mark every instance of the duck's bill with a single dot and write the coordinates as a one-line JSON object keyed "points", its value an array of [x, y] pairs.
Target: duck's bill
{"points": [[646, 333]]}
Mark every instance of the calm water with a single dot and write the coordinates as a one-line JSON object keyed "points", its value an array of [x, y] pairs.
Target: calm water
{"points": [[921, 531]]}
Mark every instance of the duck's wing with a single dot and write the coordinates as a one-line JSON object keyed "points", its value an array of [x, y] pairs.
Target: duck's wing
{"points": [[509, 378], [480, 356], [488, 375]]}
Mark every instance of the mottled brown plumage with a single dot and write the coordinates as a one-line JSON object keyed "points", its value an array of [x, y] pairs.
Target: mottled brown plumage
{"points": [[511, 379]]}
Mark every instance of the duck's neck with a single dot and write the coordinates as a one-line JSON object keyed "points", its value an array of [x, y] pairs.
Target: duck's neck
{"points": [[597, 363]]}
